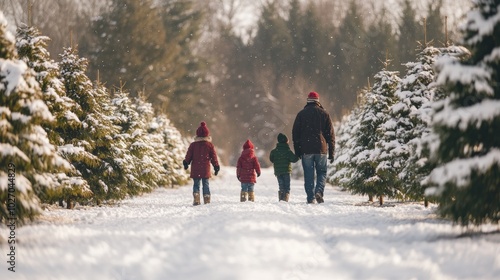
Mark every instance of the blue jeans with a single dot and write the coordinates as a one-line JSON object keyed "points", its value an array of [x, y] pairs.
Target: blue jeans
{"points": [[284, 182], [196, 185], [247, 187], [309, 163]]}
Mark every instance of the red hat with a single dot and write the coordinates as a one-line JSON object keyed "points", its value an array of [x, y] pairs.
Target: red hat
{"points": [[313, 97], [248, 145], [202, 131]]}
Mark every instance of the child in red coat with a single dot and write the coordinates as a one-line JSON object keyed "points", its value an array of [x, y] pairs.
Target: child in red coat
{"points": [[201, 153], [248, 166]]}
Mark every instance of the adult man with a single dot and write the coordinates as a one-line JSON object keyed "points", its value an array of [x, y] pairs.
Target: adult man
{"points": [[314, 140]]}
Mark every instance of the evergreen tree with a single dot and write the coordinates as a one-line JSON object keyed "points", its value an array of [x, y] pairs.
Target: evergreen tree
{"points": [[409, 33], [26, 154], [419, 166], [383, 42], [130, 47], [398, 166], [236, 89], [351, 49], [150, 46], [31, 47], [294, 24], [466, 182], [345, 147], [312, 44], [93, 151], [435, 23], [375, 109], [273, 46], [143, 170], [185, 69], [170, 147]]}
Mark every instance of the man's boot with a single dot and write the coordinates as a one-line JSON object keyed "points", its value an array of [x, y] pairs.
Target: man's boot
{"points": [[319, 197], [286, 196], [243, 196], [206, 198], [280, 196], [196, 197], [311, 201], [251, 196]]}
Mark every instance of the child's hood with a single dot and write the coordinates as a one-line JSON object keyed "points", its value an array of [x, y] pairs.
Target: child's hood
{"points": [[248, 145], [248, 153]]}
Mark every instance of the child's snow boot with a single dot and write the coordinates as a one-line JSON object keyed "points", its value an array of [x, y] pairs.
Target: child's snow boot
{"points": [[280, 195], [251, 196], [286, 196], [243, 196], [206, 198], [196, 197]]}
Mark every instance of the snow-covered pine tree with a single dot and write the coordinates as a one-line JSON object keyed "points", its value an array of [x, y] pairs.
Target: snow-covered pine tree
{"points": [[125, 117], [421, 148], [419, 166], [158, 173], [375, 109], [466, 182], [170, 147], [31, 47], [145, 171], [398, 167], [92, 149], [26, 155], [344, 146], [109, 151]]}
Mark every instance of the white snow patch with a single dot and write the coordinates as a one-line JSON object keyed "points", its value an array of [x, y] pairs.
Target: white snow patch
{"points": [[162, 236]]}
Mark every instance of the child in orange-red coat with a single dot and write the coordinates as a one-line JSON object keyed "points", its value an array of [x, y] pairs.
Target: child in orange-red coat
{"points": [[246, 170]]}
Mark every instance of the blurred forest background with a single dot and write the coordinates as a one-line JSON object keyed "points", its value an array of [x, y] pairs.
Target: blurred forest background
{"points": [[243, 66]]}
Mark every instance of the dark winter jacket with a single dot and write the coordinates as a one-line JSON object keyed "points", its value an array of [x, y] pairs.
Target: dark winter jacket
{"points": [[312, 131], [248, 165], [282, 157], [200, 154]]}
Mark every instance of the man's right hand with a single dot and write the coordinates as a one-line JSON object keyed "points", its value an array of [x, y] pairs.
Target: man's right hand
{"points": [[297, 150]]}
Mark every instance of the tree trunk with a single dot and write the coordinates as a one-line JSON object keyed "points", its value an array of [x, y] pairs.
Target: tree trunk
{"points": [[370, 198], [426, 202], [381, 199]]}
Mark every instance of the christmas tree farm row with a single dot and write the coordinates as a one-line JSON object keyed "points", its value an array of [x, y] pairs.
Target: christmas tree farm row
{"points": [[66, 139], [432, 134]]}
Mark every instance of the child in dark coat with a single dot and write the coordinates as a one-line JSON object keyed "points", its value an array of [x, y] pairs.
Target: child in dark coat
{"points": [[201, 153], [282, 157], [248, 166]]}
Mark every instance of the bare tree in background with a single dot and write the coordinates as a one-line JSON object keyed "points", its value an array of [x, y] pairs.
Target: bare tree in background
{"points": [[62, 21]]}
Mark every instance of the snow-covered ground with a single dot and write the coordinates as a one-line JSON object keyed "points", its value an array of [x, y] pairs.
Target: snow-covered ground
{"points": [[161, 236]]}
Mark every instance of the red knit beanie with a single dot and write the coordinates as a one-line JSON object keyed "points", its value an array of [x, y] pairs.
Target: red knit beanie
{"points": [[202, 131], [248, 145], [313, 97]]}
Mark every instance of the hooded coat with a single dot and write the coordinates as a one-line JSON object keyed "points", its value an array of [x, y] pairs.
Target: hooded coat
{"points": [[200, 154], [248, 165]]}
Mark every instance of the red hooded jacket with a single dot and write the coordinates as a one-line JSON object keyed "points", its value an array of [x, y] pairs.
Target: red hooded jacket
{"points": [[200, 154], [248, 166]]}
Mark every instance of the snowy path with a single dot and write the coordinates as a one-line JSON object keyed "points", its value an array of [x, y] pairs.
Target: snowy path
{"points": [[161, 236]]}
